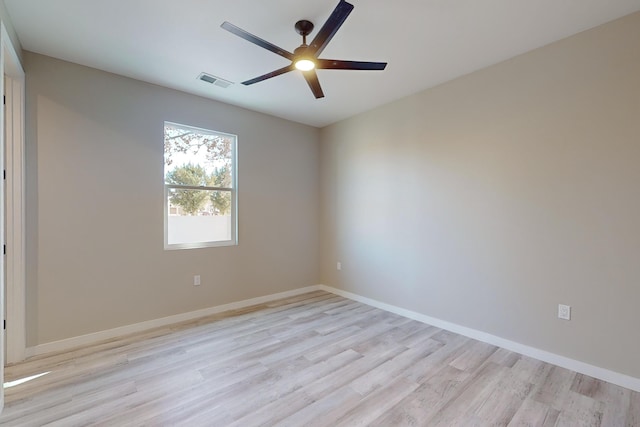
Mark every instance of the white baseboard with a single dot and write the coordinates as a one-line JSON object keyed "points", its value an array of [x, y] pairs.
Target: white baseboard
{"points": [[543, 355], [70, 343], [555, 359]]}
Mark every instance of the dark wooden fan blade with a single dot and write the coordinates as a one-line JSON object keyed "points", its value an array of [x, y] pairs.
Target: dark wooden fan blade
{"points": [[256, 40], [269, 75], [329, 29], [312, 78], [334, 64]]}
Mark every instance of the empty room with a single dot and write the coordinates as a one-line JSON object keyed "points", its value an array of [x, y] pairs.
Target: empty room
{"points": [[320, 213]]}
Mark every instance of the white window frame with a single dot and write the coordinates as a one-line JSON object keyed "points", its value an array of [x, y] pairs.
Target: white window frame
{"points": [[233, 190]]}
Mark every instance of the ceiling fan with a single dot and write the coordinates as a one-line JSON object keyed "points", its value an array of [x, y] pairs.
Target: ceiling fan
{"points": [[305, 57]]}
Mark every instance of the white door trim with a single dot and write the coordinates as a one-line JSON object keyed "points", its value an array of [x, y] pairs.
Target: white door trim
{"points": [[13, 90]]}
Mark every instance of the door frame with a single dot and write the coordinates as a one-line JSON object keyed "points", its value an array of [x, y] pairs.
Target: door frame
{"points": [[13, 88]]}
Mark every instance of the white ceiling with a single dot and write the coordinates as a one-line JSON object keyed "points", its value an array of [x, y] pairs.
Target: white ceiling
{"points": [[425, 42]]}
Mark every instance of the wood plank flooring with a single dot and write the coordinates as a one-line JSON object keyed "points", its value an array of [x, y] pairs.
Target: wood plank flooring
{"points": [[312, 360]]}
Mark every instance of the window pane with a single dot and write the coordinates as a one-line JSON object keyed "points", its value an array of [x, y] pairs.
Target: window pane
{"points": [[198, 216], [195, 157]]}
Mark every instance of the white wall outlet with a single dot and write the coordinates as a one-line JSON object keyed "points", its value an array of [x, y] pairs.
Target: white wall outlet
{"points": [[339, 266], [196, 280], [564, 311]]}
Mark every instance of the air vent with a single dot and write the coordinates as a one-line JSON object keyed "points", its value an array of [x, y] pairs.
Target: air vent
{"points": [[216, 81]]}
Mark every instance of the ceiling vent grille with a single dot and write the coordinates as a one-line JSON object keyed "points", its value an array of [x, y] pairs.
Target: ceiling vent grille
{"points": [[216, 81]]}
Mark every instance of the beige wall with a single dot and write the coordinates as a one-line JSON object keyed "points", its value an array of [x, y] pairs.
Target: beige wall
{"points": [[95, 255], [488, 200]]}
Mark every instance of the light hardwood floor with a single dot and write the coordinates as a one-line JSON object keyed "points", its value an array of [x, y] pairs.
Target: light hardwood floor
{"points": [[312, 360]]}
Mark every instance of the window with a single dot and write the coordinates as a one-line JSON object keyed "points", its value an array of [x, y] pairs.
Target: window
{"points": [[200, 200]]}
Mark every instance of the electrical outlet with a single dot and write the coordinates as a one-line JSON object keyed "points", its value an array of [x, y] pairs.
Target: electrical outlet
{"points": [[339, 266], [564, 311], [196, 280]]}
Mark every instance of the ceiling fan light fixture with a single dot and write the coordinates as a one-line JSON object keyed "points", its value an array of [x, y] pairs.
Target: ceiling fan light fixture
{"points": [[305, 64]]}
